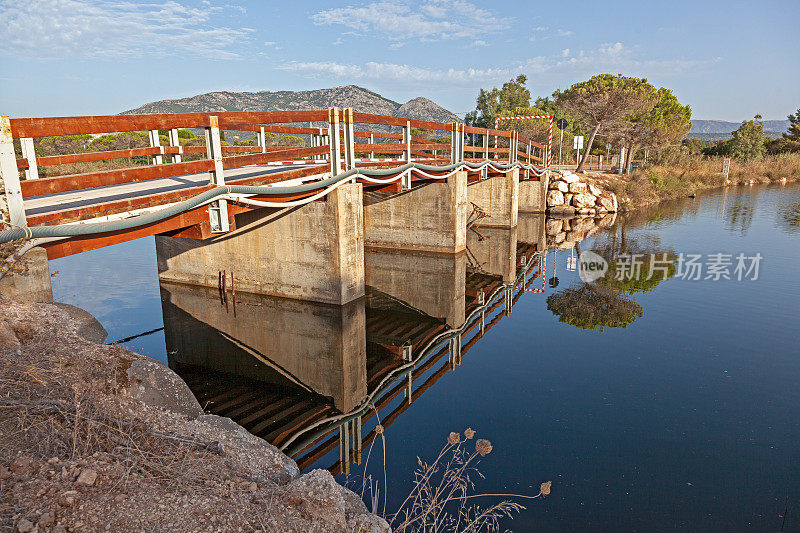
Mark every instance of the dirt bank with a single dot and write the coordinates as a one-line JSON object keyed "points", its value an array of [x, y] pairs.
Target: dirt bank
{"points": [[98, 438]]}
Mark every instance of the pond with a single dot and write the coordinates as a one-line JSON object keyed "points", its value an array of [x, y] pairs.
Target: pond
{"points": [[659, 401]]}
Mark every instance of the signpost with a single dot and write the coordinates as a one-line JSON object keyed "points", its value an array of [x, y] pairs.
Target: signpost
{"points": [[577, 144], [726, 166], [562, 125]]}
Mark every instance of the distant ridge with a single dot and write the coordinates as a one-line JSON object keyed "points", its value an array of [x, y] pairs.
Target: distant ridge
{"points": [[359, 98], [723, 128]]}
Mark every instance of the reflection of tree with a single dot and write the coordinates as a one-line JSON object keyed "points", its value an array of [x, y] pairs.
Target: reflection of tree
{"points": [[739, 217], [591, 306], [663, 261], [645, 281], [789, 218]]}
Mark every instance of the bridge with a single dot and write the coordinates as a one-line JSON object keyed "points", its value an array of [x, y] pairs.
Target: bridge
{"points": [[279, 220]]}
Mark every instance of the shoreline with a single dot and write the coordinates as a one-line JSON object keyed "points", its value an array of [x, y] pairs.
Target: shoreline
{"points": [[116, 438]]}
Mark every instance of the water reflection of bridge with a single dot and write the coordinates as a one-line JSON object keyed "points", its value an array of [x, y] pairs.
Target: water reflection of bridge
{"points": [[310, 377]]}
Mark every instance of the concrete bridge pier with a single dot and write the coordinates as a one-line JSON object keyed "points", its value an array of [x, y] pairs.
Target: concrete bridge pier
{"points": [[533, 195], [314, 252], [498, 198], [433, 283], [318, 347], [431, 217]]}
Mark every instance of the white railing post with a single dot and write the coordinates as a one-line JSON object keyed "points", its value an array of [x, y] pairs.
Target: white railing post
{"points": [[486, 144], [156, 143], [12, 208], [175, 141], [333, 140], [218, 210], [528, 155], [407, 142], [349, 140], [28, 152], [262, 139], [372, 141], [461, 143], [453, 143]]}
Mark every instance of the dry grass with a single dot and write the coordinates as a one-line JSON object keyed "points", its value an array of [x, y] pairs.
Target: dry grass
{"points": [[690, 175], [442, 494]]}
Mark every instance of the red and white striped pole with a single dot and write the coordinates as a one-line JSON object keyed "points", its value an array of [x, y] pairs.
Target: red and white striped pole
{"points": [[549, 156]]}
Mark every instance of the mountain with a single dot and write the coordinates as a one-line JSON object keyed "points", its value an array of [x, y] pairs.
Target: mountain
{"points": [[715, 128], [359, 98]]}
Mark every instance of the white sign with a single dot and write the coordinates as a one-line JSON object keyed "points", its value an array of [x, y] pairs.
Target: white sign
{"points": [[578, 142], [608, 147]]}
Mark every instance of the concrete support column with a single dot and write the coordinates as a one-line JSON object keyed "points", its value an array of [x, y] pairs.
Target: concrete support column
{"points": [[533, 195], [498, 197], [313, 252], [432, 217]]}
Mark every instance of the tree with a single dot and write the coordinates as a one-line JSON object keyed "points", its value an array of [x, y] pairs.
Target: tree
{"points": [[666, 123], [605, 100], [496, 102], [794, 127], [749, 141]]}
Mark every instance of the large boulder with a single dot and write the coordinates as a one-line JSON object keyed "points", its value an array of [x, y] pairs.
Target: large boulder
{"points": [[555, 198], [578, 187], [569, 177], [583, 200], [594, 189], [559, 186], [155, 384], [568, 198], [606, 203]]}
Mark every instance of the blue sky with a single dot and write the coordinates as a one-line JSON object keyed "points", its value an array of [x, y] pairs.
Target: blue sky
{"points": [[728, 60]]}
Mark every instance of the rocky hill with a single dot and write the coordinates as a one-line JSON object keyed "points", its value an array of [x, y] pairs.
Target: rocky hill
{"points": [[723, 128], [359, 98]]}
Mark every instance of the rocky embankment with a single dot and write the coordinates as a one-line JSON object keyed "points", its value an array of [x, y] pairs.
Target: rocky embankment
{"points": [[97, 438], [567, 194]]}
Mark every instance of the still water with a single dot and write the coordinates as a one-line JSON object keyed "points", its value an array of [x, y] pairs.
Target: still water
{"points": [[686, 418]]}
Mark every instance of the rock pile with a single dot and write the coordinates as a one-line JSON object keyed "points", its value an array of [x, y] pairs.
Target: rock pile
{"points": [[568, 195]]}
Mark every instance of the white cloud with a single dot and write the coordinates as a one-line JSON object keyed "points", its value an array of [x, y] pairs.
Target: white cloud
{"points": [[82, 28], [479, 42], [564, 33], [432, 20], [542, 70], [394, 72], [270, 44]]}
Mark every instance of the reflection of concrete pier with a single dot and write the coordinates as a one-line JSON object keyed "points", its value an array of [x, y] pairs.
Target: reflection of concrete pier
{"points": [[493, 251], [430, 283], [321, 348]]}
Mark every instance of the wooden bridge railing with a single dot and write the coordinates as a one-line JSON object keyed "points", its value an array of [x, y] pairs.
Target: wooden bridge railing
{"points": [[25, 175]]}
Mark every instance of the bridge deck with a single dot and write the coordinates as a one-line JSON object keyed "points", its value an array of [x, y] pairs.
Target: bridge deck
{"points": [[71, 200]]}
